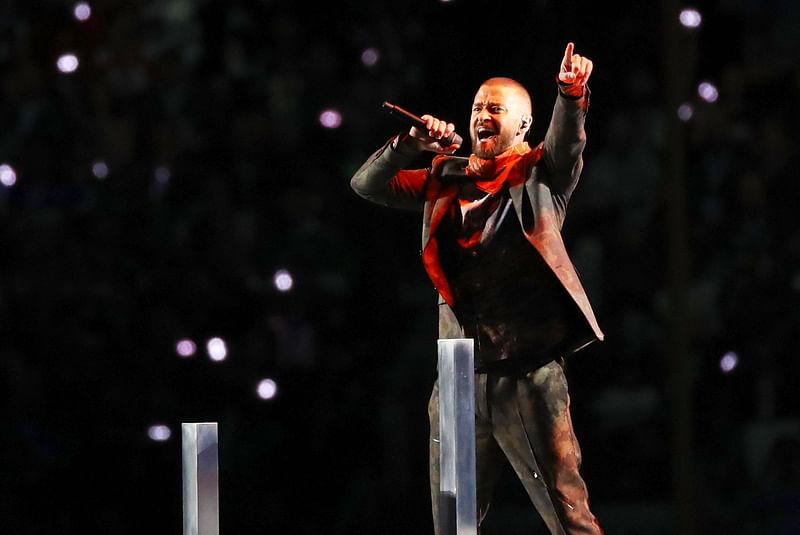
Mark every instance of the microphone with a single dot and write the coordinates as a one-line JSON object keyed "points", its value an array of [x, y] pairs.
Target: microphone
{"points": [[412, 120]]}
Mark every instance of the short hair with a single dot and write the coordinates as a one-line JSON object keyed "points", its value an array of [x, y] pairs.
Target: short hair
{"points": [[518, 87]]}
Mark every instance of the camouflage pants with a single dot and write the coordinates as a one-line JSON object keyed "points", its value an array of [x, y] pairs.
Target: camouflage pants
{"points": [[525, 419]]}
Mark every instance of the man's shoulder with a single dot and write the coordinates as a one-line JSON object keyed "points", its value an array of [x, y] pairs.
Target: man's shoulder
{"points": [[445, 165]]}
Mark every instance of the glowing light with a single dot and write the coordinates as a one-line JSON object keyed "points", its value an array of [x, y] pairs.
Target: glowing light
{"points": [[370, 57], [67, 63], [330, 119], [690, 18], [159, 432], [100, 169], [217, 350], [185, 348], [728, 362], [267, 388], [685, 111], [283, 280], [708, 92], [8, 177], [82, 11]]}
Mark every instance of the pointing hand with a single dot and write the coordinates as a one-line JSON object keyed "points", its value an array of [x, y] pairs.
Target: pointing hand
{"points": [[575, 71]]}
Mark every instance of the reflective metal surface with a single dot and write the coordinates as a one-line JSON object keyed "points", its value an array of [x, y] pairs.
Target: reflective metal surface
{"points": [[458, 504], [200, 479]]}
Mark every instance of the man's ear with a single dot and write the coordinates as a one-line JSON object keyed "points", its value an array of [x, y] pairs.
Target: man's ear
{"points": [[525, 123]]}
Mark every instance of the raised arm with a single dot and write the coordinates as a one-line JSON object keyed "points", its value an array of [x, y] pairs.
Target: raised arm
{"points": [[382, 179], [566, 137]]}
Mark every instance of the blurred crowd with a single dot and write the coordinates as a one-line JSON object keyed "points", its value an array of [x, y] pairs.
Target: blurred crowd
{"points": [[152, 194]]}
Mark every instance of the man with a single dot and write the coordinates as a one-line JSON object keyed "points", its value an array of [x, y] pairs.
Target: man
{"points": [[493, 249]]}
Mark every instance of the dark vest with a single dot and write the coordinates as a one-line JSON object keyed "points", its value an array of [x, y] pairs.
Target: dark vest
{"points": [[506, 297]]}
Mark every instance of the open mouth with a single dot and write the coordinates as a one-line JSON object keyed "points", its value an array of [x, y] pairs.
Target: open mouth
{"points": [[485, 134]]}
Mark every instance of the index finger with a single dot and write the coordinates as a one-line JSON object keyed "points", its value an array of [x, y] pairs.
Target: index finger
{"points": [[567, 61]]}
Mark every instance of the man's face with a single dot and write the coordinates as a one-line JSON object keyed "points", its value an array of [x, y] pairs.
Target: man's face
{"points": [[497, 112]]}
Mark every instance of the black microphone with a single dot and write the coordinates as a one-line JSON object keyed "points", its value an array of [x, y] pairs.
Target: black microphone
{"points": [[412, 120]]}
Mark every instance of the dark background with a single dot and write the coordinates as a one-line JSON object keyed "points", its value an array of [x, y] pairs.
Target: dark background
{"points": [[219, 173]]}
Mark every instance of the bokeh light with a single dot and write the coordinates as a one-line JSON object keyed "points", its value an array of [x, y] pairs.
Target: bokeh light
{"points": [[330, 118], [82, 11], [685, 112], [370, 57], [67, 63], [217, 349], [185, 348], [708, 92], [100, 169], [8, 177], [729, 362], [690, 18], [267, 389], [283, 280], [159, 432]]}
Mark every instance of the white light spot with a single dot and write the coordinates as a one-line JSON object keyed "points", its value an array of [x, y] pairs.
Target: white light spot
{"points": [[82, 11], [8, 177], [283, 280], [685, 111], [159, 432], [690, 18], [708, 92], [267, 388], [728, 362], [67, 63], [185, 348], [217, 350], [100, 169], [330, 119], [370, 57]]}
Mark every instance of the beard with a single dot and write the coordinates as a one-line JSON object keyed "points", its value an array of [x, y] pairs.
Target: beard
{"points": [[491, 147]]}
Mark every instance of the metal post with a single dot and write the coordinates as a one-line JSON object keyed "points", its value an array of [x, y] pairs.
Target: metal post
{"points": [[200, 479], [458, 503]]}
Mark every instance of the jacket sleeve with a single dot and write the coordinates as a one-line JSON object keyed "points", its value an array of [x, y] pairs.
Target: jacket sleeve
{"points": [[383, 180], [564, 143]]}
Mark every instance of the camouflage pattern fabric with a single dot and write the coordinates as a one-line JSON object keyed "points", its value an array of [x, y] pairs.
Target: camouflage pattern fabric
{"points": [[524, 419]]}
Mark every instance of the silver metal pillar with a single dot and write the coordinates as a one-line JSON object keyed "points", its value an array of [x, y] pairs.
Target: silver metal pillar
{"points": [[458, 502], [200, 479]]}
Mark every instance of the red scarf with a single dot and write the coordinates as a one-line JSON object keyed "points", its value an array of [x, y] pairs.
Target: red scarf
{"points": [[491, 176]]}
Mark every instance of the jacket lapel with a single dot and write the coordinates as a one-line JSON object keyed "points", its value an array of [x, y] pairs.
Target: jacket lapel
{"points": [[440, 197], [542, 231]]}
